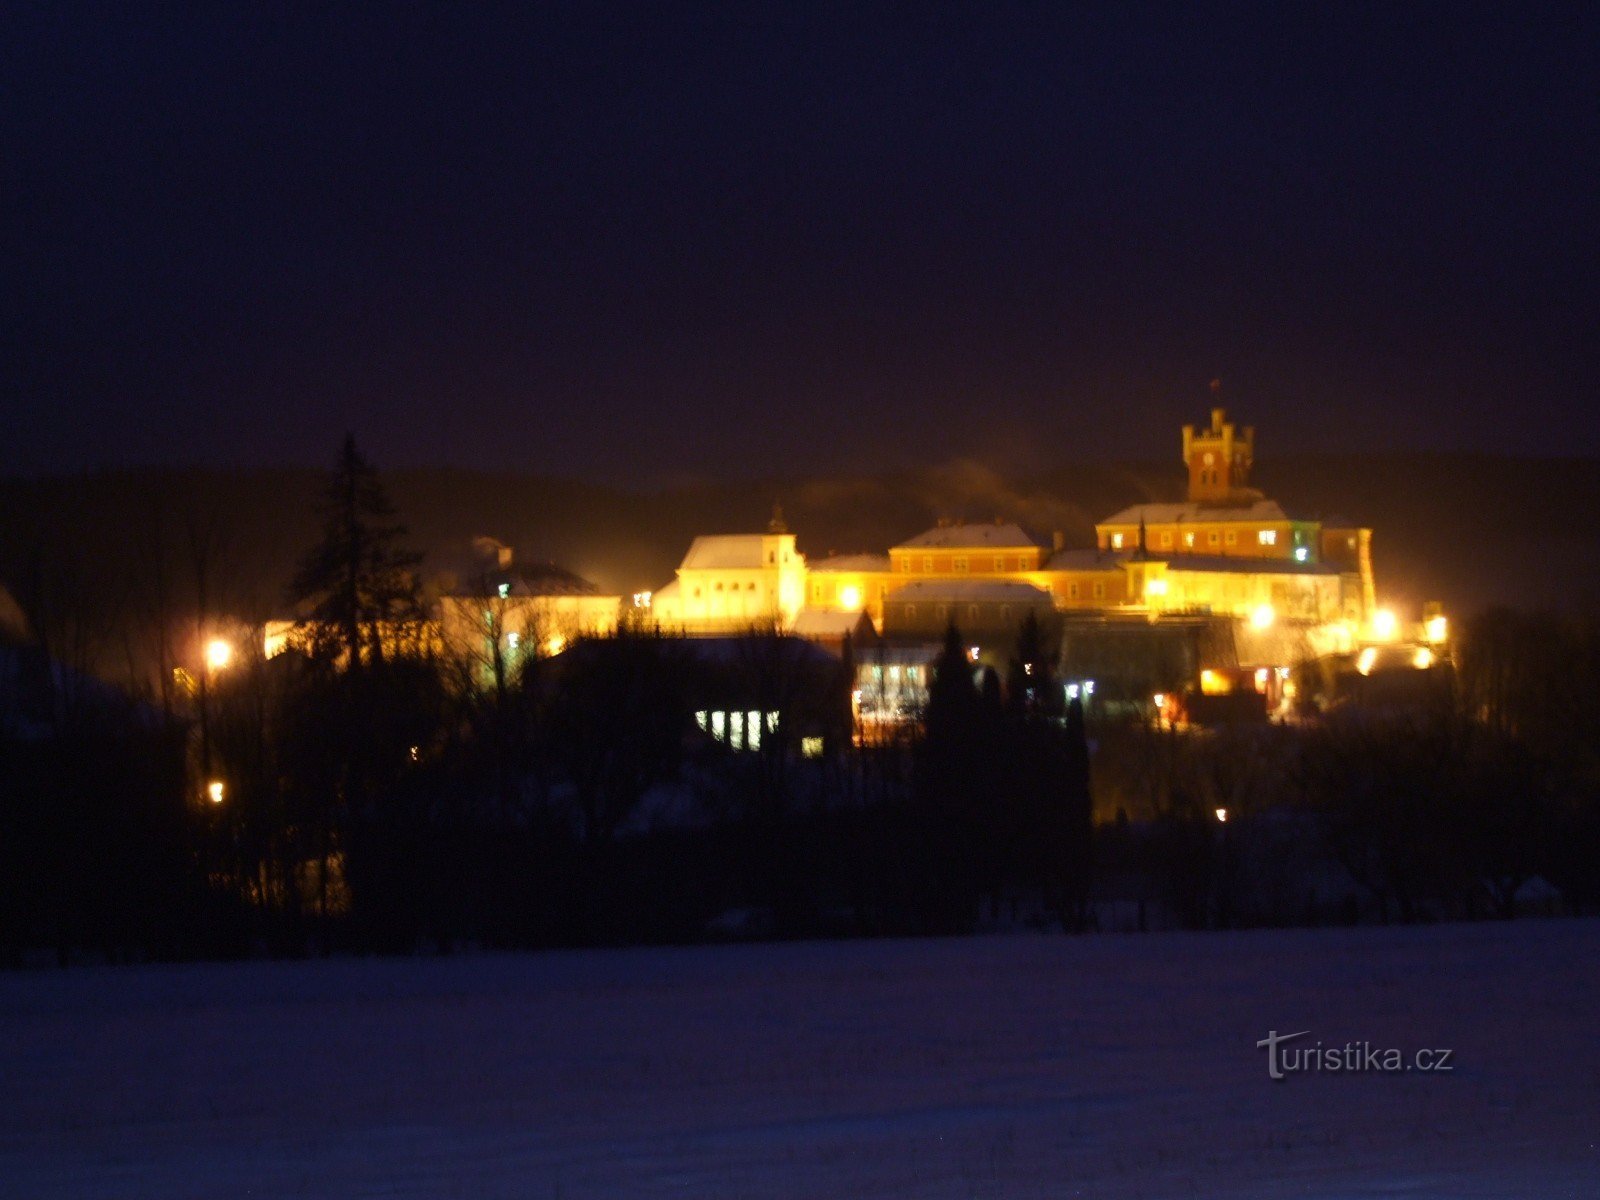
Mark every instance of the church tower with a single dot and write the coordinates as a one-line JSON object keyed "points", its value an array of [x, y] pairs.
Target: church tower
{"points": [[1219, 458]]}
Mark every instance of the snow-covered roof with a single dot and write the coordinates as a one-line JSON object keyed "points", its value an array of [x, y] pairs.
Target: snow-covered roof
{"points": [[739, 649], [487, 568], [996, 536], [970, 591], [818, 622], [851, 562], [726, 551], [667, 591], [1168, 514], [525, 579], [900, 654]]}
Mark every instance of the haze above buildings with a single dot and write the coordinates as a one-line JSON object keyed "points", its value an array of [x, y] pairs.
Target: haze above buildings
{"points": [[750, 239]]}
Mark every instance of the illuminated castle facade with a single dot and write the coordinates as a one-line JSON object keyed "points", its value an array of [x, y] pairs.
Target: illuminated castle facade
{"points": [[1225, 551], [732, 582]]}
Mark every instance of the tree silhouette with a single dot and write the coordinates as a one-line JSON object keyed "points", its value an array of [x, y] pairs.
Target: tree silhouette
{"points": [[357, 586]]}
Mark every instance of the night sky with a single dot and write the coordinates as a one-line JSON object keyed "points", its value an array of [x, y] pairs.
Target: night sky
{"points": [[641, 243]]}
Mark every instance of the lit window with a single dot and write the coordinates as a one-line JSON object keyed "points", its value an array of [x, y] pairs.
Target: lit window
{"points": [[1213, 538], [752, 730], [1188, 540], [1166, 539], [961, 564], [999, 562], [1267, 537], [1116, 541]]}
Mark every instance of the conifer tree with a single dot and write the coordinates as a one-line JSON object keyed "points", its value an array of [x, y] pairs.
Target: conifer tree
{"points": [[357, 584]]}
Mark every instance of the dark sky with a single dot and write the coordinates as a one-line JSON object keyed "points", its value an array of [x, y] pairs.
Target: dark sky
{"points": [[635, 243]]}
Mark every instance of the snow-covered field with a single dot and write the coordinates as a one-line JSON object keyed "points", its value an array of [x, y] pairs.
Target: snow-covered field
{"points": [[997, 1067]]}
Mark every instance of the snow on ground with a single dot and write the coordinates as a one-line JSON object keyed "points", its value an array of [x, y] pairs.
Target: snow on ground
{"points": [[995, 1067]]}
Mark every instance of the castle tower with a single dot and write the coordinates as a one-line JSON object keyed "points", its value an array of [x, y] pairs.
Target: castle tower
{"points": [[1219, 458]]}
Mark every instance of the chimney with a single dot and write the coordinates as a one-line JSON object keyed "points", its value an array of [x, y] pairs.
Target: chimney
{"points": [[1058, 541]]}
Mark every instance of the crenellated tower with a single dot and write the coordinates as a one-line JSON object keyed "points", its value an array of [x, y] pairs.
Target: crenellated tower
{"points": [[1219, 459]]}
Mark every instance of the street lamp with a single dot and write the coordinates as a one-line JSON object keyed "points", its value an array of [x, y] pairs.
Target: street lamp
{"points": [[1385, 624], [219, 653]]}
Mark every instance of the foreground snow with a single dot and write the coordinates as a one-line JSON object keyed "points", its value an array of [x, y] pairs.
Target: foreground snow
{"points": [[1005, 1067]]}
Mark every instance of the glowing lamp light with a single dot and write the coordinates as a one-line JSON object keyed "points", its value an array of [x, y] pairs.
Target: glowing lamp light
{"points": [[641, 599], [216, 791], [219, 653], [1213, 683], [1366, 660], [1385, 624], [1222, 816], [1159, 699], [972, 654], [1262, 616], [1422, 659], [1155, 587], [850, 596], [1437, 629], [1261, 679], [554, 644]]}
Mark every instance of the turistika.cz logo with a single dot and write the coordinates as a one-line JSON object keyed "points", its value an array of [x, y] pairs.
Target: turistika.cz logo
{"points": [[1353, 1058]]}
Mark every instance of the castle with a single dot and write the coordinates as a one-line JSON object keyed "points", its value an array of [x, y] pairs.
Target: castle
{"points": [[1227, 551], [1224, 593]]}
